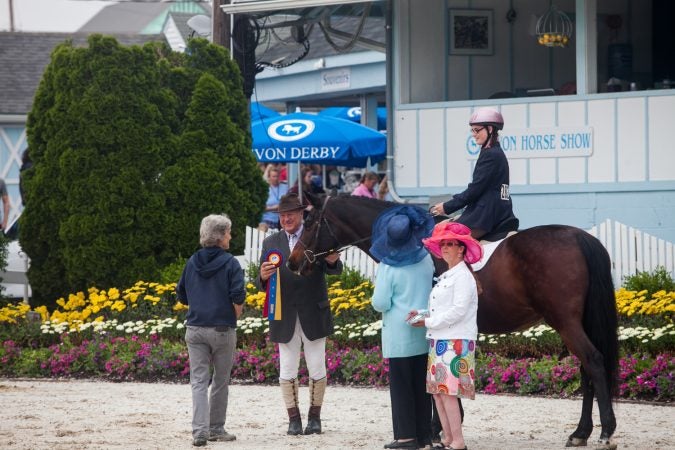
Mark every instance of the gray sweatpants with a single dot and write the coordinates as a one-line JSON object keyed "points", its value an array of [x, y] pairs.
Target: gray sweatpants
{"points": [[209, 348]]}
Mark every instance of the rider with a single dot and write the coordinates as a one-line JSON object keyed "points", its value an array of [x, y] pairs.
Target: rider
{"points": [[487, 199]]}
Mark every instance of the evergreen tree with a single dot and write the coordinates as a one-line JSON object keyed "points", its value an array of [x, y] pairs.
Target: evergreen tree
{"points": [[132, 147], [212, 149]]}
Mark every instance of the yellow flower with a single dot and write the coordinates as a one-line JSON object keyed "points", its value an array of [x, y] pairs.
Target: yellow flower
{"points": [[180, 307], [119, 306]]}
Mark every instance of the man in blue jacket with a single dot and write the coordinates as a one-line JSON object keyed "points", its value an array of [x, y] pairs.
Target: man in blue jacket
{"points": [[212, 285]]}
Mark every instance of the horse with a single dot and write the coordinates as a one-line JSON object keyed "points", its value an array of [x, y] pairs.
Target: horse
{"points": [[553, 273]]}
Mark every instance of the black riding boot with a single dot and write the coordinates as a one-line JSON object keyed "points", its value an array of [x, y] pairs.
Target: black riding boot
{"points": [[289, 391], [317, 388], [294, 422]]}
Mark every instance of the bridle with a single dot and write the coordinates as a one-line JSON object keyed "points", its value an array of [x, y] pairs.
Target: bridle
{"points": [[310, 256]]}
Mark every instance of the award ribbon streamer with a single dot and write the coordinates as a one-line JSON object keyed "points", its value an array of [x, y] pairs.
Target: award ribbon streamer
{"points": [[272, 308]]}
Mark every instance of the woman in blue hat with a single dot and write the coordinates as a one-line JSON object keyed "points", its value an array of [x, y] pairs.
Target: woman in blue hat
{"points": [[403, 283]]}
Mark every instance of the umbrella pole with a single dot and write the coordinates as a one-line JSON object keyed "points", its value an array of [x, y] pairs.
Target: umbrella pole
{"points": [[299, 183]]}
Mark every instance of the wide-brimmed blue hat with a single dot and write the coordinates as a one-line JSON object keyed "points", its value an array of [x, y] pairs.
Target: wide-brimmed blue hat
{"points": [[397, 235]]}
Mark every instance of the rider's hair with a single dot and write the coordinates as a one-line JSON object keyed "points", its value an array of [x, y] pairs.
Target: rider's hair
{"points": [[369, 176]]}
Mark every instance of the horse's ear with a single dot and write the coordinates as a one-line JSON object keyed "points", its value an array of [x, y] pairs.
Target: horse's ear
{"points": [[314, 199]]}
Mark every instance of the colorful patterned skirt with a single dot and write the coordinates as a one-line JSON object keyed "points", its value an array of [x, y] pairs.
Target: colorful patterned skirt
{"points": [[451, 367]]}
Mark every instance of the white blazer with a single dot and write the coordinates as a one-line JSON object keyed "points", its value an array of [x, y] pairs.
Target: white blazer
{"points": [[453, 305]]}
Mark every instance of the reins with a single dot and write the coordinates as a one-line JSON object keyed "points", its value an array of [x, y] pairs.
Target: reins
{"points": [[310, 255]]}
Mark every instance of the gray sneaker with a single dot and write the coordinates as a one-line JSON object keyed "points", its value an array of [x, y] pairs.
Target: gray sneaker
{"points": [[222, 437], [199, 441]]}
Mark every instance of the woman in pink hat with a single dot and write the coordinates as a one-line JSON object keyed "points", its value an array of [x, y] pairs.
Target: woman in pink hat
{"points": [[451, 327]]}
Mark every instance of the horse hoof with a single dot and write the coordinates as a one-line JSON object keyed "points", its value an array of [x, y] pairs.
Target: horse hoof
{"points": [[576, 442], [605, 444]]}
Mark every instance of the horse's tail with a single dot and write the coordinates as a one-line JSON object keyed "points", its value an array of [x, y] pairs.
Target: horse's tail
{"points": [[600, 314]]}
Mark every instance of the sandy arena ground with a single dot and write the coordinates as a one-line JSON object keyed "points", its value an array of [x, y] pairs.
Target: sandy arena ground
{"points": [[49, 414]]}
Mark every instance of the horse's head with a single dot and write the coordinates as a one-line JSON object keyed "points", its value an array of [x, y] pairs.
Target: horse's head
{"points": [[316, 239]]}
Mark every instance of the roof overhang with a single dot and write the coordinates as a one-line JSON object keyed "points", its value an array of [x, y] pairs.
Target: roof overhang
{"points": [[252, 6]]}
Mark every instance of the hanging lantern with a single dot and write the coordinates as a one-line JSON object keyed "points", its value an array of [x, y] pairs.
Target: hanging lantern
{"points": [[554, 29]]}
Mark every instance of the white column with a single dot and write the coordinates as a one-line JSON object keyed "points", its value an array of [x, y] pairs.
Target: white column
{"points": [[586, 46]]}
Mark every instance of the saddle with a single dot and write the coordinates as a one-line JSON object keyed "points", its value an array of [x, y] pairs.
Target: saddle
{"points": [[502, 230], [491, 241]]}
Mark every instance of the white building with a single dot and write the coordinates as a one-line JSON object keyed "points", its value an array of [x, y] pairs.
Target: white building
{"points": [[581, 150]]}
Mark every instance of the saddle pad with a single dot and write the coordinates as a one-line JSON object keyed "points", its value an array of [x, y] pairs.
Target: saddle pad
{"points": [[488, 250]]}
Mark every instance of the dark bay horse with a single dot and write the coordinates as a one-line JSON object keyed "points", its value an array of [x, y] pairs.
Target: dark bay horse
{"points": [[554, 273]]}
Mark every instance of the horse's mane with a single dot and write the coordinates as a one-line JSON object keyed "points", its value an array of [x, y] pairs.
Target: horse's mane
{"points": [[360, 199]]}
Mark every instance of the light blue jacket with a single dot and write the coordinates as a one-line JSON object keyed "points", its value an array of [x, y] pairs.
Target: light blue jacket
{"points": [[397, 291]]}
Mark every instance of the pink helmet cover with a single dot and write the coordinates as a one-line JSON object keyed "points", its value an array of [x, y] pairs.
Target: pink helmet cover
{"points": [[487, 116]]}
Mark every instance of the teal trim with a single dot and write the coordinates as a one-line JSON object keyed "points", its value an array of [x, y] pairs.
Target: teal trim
{"points": [[156, 25], [553, 98], [635, 186], [576, 188]]}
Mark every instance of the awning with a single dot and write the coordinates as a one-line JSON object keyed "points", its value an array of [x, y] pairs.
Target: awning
{"points": [[249, 6]]}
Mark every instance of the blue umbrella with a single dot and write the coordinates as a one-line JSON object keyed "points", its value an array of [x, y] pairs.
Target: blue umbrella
{"points": [[260, 111], [317, 140], [354, 114]]}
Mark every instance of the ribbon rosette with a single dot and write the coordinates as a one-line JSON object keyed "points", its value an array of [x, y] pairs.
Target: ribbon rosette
{"points": [[272, 308]]}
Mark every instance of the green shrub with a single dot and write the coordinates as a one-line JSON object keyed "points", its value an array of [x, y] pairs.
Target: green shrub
{"points": [[252, 272], [172, 272], [349, 278], [132, 147], [658, 280]]}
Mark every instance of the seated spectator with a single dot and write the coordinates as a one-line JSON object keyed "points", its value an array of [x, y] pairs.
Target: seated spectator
{"points": [[309, 183], [367, 186], [283, 174], [270, 217], [335, 182]]}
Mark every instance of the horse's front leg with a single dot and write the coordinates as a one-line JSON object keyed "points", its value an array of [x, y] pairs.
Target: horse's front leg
{"points": [[580, 436]]}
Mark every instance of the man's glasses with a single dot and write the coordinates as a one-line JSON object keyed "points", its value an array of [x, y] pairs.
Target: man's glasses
{"points": [[477, 130], [449, 244]]}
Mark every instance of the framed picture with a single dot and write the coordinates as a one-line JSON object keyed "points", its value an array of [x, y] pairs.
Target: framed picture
{"points": [[471, 32]]}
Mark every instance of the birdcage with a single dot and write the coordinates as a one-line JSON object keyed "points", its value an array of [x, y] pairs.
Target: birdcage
{"points": [[554, 28]]}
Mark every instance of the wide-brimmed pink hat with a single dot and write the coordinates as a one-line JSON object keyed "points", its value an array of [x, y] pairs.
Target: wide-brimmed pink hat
{"points": [[454, 231]]}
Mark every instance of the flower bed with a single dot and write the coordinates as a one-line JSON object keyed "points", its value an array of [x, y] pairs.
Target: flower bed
{"points": [[137, 334]]}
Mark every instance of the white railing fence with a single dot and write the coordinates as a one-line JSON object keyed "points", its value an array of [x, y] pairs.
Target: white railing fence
{"points": [[630, 250], [353, 257]]}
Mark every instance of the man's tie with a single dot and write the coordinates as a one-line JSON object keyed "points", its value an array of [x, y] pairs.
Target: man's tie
{"points": [[291, 241]]}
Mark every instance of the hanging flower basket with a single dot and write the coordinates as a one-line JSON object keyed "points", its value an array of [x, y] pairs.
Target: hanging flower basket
{"points": [[554, 29]]}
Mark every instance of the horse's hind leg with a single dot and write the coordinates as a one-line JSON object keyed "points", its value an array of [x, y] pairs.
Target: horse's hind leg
{"points": [[602, 393], [592, 362], [580, 436]]}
